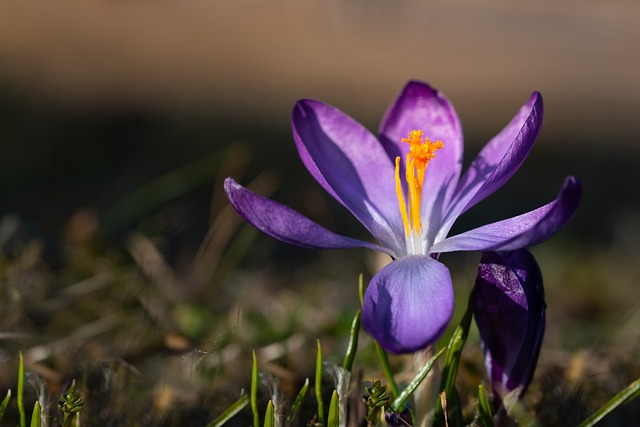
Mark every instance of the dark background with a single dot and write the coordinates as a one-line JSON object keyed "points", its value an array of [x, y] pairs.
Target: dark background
{"points": [[98, 98]]}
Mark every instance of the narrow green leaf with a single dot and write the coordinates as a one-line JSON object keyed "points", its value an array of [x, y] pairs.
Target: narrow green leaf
{"points": [[353, 342], [254, 391], [361, 288], [484, 409], [4, 404], [20, 397], [297, 403], [268, 415], [35, 415], [451, 361], [386, 367], [454, 350], [319, 384], [334, 417], [230, 412], [626, 395], [398, 404]]}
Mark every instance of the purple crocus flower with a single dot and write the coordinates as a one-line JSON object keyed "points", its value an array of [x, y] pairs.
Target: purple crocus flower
{"points": [[409, 302], [509, 308]]}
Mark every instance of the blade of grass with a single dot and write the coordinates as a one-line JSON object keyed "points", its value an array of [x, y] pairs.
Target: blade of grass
{"points": [[626, 395], [386, 367], [342, 379], [268, 415], [254, 391], [319, 384], [398, 403], [353, 342], [35, 415], [334, 419], [20, 397], [484, 409], [4, 404], [297, 403], [230, 412], [451, 361]]}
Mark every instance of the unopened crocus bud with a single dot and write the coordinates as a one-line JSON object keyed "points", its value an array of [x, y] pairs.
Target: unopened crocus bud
{"points": [[509, 308], [399, 419]]}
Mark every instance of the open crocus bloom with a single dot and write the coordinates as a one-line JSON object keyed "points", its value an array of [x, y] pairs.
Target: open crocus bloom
{"points": [[509, 308], [406, 188]]}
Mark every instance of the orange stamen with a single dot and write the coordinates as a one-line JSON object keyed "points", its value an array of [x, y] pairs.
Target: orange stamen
{"points": [[420, 153]]}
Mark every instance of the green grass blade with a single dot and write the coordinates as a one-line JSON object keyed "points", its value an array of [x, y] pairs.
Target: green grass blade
{"points": [[451, 361], [454, 351], [626, 395], [319, 384], [297, 403], [484, 408], [353, 342], [269, 418], [334, 418], [254, 391], [230, 412], [35, 415], [455, 410], [384, 361], [20, 397], [398, 404], [4, 404]]}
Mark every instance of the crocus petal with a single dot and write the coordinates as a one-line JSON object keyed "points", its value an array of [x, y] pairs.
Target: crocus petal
{"points": [[408, 304], [351, 165], [285, 224], [420, 107], [497, 161], [520, 231], [509, 308]]}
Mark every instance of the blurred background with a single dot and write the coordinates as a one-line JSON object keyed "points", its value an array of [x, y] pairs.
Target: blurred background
{"points": [[98, 97], [120, 117]]}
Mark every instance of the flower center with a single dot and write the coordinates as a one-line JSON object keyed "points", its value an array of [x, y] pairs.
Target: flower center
{"points": [[421, 151]]}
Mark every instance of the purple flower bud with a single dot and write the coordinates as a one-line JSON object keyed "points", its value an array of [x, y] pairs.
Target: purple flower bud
{"points": [[398, 419], [509, 308]]}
